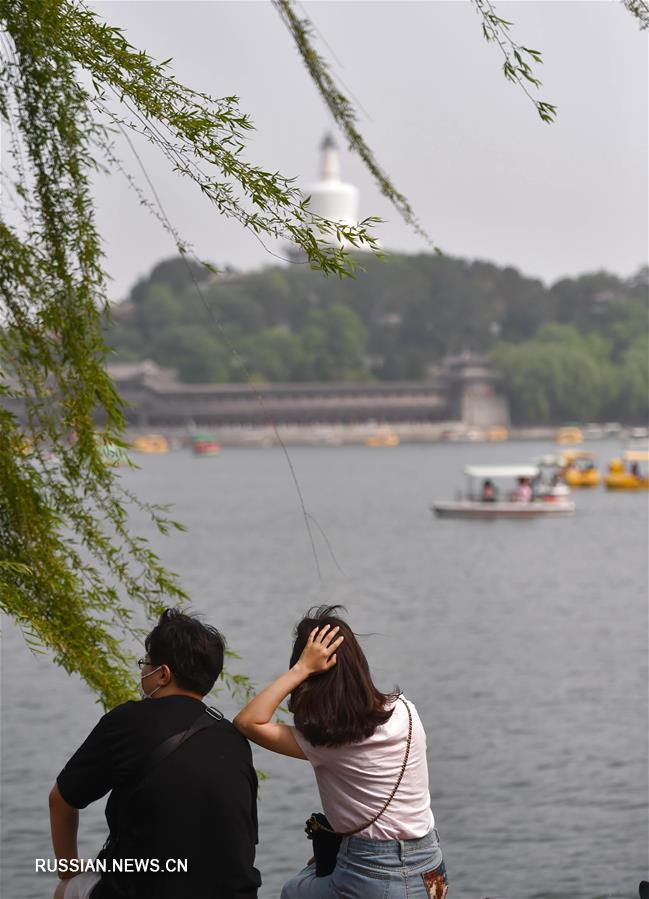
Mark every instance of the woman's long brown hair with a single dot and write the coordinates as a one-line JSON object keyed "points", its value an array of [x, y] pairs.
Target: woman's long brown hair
{"points": [[341, 705]]}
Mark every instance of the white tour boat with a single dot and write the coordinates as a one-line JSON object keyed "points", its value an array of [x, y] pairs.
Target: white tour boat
{"points": [[487, 499]]}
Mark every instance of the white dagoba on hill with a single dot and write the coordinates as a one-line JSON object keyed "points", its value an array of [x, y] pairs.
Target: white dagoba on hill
{"points": [[330, 197]]}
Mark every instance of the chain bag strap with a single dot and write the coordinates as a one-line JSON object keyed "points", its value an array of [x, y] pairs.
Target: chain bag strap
{"points": [[314, 824]]}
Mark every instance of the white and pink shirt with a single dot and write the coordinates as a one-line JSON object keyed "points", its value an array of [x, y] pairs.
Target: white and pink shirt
{"points": [[355, 780]]}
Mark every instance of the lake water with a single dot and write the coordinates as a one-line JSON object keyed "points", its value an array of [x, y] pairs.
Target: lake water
{"points": [[523, 645]]}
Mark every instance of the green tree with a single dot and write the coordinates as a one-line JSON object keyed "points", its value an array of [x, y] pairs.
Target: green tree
{"points": [[178, 274], [232, 306], [632, 398], [414, 311], [625, 322], [333, 341], [560, 375], [273, 355], [153, 311], [195, 353]]}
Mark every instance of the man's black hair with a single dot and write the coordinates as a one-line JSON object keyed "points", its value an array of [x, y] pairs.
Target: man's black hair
{"points": [[192, 650]]}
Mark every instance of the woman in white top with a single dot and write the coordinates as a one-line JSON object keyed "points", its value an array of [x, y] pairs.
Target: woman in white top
{"points": [[357, 740]]}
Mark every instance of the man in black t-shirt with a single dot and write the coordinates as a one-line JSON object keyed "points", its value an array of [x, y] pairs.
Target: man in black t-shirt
{"points": [[195, 807]]}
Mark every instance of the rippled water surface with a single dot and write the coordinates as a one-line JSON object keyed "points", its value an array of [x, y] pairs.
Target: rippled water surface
{"points": [[523, 645]]}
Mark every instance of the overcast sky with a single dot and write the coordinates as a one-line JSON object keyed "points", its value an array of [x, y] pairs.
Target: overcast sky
{"points": [[485, 176]]}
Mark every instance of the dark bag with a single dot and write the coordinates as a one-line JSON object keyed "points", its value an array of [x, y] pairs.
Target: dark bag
{"points": [[110, 849], [326, 841]]}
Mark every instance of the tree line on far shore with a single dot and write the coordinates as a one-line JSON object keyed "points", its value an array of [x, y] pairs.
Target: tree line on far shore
{"points": [[577, 350]]}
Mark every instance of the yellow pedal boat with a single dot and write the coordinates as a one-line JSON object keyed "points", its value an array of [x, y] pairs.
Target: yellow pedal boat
{"points": [[383, 438], [579, 469], [151, 443], [568, 436], [626, 473]]}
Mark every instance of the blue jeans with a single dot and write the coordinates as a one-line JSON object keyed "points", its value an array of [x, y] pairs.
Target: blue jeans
{"points": [[377, 869]]}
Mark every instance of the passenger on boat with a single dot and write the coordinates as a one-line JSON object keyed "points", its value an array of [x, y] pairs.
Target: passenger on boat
{"points": [[635, 470], [366, 747], [523, 493], [489, 493]]}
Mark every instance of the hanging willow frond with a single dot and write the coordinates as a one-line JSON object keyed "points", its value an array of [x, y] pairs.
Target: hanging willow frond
{"points": [[639, 9], [72, 574], [343, 112], [518, 60]]}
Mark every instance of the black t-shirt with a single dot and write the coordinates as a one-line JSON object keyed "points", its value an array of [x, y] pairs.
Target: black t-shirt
{"points": [[199, 803]]}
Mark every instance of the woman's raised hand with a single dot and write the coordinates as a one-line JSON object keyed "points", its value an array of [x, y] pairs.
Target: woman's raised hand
{"points": [[319, 654]]}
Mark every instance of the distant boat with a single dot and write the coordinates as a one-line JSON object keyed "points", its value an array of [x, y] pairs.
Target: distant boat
{"points": [[550, 484], [497, 434], [151, 443], [204, 444], [383, 438], [484, 501], [593, 431], [579, 468], [633, 477], [569, 436]]}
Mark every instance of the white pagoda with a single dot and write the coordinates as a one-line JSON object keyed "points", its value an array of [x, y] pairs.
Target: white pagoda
{"points": [[330, 197]]}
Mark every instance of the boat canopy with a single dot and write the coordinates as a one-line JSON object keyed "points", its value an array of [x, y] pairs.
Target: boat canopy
{"points": [[549, 460], [576, 455], [636, 456], [502, 471]]}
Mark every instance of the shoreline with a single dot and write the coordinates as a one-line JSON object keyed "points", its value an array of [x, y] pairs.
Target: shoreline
{"points": [[381, 434]]}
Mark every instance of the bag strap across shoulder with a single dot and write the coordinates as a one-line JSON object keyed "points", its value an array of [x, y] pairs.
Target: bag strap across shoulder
{"points": [[314, 824], [207, 718]]}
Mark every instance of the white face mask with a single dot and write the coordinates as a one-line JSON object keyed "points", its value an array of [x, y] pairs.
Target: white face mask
{"points": [[143, 693]]}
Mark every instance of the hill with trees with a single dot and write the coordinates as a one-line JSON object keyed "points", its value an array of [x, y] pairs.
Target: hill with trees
{"points": [[575, 350]]}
